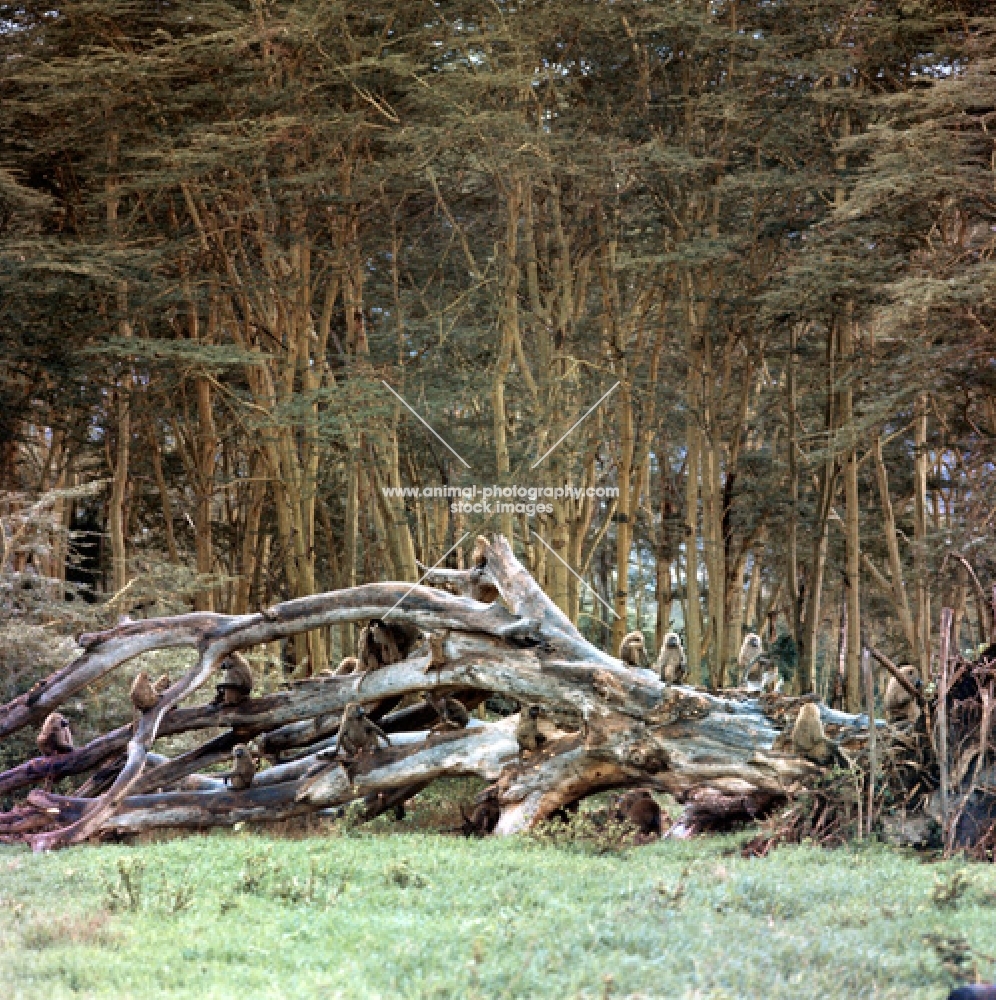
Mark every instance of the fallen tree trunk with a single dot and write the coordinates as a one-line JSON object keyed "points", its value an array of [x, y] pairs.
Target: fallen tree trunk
{"points": [[635, 730]]}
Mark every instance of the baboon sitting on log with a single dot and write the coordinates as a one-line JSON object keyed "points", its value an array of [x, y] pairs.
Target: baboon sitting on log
{"points": [[357, 734], [527, 732], [633, 650], [900, 705], [143, 694], [808, 738], [383, 643], [55, 736], [452, 713], [671, 664], [236, 686], [243, 768]]}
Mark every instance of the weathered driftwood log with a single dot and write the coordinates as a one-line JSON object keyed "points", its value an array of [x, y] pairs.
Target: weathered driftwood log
{"points": [[636, 729]]}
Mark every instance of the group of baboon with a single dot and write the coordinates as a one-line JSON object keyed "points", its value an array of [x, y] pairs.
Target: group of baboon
{"points": [[757, 672], [382, 643]]}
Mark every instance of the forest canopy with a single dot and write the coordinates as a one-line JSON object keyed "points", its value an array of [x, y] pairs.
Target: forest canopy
{"points": [[278, 279]]}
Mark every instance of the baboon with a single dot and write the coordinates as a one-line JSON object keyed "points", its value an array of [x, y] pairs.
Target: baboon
{"points": [[900, 705], [143, 694], [482, 819], [639, 808], [243, 768], [478, 557], [376, 647], [162, 685], [527, 731], [750, 651], [808, 738], [348, 665], [55, 736], [437, 649], [358, 733], [236, 687], [671, 664], [383, 643], [452, 713], [633, 650], [480, 589]]}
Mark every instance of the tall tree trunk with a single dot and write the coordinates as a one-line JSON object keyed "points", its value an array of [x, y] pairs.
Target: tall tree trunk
{"points": [[624, 510], [693, 633], [920, 466], [897, 585], [507, 334], [155, 454], [792, 547], [852, 529], [119, 473]]}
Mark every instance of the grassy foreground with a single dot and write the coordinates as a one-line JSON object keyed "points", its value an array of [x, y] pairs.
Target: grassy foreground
{"points": [[238, 915]]}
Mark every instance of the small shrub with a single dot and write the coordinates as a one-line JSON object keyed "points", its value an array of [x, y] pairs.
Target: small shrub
{"points": [[955, 955], [401, 874], [125, 893], [257, 868], [313, 888], [175, 898], [672, 896], [596, 832], [948, 893]]}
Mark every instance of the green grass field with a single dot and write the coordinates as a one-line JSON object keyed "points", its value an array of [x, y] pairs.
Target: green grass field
{"points": [[402, 914]]}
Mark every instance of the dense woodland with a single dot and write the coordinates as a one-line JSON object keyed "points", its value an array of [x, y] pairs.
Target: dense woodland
{"points": [[770, 226]]}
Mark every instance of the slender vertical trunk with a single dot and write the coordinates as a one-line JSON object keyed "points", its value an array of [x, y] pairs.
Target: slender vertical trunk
{"points": [[754, 591], [942, 720], [852, 528], [508, 327], [920, 467], [207, 445], [840, 681], [828, 489], [347, 637], [693, 632], [665, 597], [869, 684], [250, 548], [119, 475], [792, 547], [892, 546], [155, 454], [624, 511]]}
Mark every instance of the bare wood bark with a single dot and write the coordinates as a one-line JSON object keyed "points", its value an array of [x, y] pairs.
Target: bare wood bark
{"points": [[942, 717], [869, 684], [920, 582], [637, 730], [693, 634], [897, 589]]}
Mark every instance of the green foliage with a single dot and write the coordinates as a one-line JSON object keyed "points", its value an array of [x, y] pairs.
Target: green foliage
{"points": [[785, 655], [948, 892]]}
